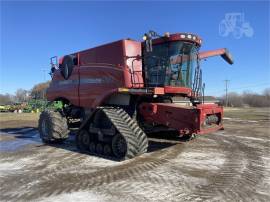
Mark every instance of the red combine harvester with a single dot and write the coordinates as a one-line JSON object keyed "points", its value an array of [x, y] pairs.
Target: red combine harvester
{"points": [[119, 91]]}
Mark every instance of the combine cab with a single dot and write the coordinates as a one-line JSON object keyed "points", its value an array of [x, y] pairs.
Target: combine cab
{"points": [[118, 92]]}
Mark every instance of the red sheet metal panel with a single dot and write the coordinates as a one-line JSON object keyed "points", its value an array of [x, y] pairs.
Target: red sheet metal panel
{"points": [[67, 89], [100, 72], [185, 119], [111, 54]]}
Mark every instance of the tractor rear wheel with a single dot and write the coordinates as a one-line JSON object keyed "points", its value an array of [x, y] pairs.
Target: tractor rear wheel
{"points": [[52, 127]]}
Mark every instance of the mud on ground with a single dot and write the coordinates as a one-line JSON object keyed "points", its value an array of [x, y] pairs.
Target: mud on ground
{"points": [[229, 165]]}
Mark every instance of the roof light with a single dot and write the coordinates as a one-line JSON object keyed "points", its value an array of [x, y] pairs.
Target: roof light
{"points": [[144, 37], [200, 41], [189, 36], [183, 36], [194, 37], [167, 34]]}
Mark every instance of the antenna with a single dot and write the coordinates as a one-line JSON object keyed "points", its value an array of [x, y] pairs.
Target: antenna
{"points": [[226, 90]]}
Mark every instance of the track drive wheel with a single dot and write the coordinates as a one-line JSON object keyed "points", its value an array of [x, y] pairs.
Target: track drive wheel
{"points": [[52, 127], [119, 146]]}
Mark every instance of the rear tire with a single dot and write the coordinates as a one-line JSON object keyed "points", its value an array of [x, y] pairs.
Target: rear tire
{"points": [[52, 127]]}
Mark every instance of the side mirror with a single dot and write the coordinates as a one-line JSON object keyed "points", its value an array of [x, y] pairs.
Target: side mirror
{"points": [[227, 56], [53, 69], [147, 37]]}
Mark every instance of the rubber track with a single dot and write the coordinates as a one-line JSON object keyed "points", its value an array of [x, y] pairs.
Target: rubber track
{"points": [[128, 127]]}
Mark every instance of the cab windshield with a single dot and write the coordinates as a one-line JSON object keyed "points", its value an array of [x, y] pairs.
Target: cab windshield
{"points": [[161, 71]]}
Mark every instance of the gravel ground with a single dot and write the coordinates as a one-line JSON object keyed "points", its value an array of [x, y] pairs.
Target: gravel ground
{"points": [[228, 165]]}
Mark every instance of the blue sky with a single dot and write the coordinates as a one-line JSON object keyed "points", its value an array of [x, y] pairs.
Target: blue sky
{"points": [[32, 32]]}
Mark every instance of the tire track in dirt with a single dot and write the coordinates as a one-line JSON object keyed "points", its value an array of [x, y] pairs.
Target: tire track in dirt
{"points": [[33, 172], [240, 174], [156, 184], [237, 179], [144, 188], [53, 184], [140, 179]]}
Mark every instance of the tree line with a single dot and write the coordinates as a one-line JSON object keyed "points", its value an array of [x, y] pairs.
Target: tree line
{"points": [[247, 98], [21, 95]]}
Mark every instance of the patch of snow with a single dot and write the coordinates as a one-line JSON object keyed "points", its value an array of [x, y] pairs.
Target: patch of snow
{"points": [[240, 120], [201, 160], [18, 165], [10, 166], [99, 162], [252, 138], [244, 137], [74, 196]]}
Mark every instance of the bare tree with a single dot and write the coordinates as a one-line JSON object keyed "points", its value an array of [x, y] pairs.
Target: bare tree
{"points": [[249, 98], [6, 99], [39, 90], [235, 100], [22, 95], [266, 93]]}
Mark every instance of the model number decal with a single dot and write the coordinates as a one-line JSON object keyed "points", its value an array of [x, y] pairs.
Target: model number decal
{"points": [[84, 81]]}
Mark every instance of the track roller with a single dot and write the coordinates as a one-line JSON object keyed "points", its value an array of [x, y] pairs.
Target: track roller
{"points": [[107, 150], [83, 140], [92, 147], [99, 148]]}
